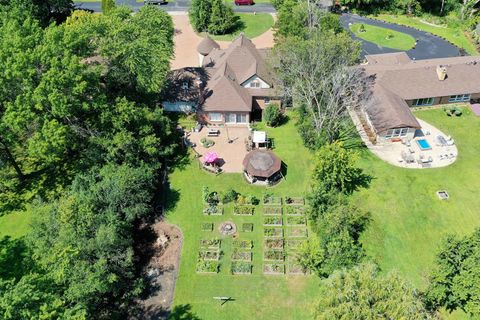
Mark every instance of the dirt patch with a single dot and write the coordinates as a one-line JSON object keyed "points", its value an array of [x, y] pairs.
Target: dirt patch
{"points": [[162, 250]]}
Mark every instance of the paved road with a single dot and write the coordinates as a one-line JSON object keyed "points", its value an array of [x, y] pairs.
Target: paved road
{"points": [[429, 46], [177, 5]]}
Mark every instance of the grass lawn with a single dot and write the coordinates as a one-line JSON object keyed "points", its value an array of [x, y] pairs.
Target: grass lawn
{"points": [[454, 35], [265, 297], [408, 219], [15, 224], [253, 25], [384, 37]]}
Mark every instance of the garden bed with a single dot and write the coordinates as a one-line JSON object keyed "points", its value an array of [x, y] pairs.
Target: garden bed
{"points": [[213, 210], [297, 220], [293, 245], [239, 267], [210, 243], [207, 266], [295, 269], [209, 255], [207, 226], [272, 211], [273, 232], [274, 255], [243, 210], [247, 227], [297, 232], [294, 201], [274, 244], [270, 200], [273, 221], [273, 268], [295, 211], [241, 256], [243, 244]]}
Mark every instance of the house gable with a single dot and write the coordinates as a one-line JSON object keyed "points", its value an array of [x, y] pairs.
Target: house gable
{"points": [[255, 82]]}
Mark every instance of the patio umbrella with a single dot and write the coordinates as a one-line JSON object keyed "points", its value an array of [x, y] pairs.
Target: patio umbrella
{"points": [[210, 157]]}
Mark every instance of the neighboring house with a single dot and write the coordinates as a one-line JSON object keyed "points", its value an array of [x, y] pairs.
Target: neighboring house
{"points": [[400, 84], [231, 86]]}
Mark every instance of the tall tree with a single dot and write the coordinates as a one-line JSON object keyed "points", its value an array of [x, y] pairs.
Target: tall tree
{"points": [[222, 18], [200, 14], [107, 6]]}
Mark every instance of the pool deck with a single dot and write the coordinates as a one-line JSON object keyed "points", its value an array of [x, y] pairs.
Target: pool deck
{"points": [[391, 152]]}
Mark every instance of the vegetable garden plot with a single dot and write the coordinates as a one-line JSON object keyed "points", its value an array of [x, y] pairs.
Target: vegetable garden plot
{"points": [[297, 232], [273, 221], [207, 226], [271, 232], [296, 220], [294, 244], [294, 268], [241, 255], [273, 255], [243, 244], [269, 199], [294, 201], [295, 210], [247, 227], [209, 255], [207, 266], [240, 267], [244, 210], [213, 210], [274, 244], [274, 268], [210, 243], [272, 211]]}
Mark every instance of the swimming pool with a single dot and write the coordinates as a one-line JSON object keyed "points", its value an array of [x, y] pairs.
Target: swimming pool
{"points": [[423, 144]]}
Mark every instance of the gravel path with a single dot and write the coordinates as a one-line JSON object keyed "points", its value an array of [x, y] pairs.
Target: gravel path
{"points": [[429, 46]]}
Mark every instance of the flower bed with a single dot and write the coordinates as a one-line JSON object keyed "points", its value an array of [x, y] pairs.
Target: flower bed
{"points": [[273, 255], [293, 244], [295, 211], [243, 210], [209, 255], [269, 199], [207, 143], [296, 220], [247, 227], [241, 255], [239, 267], [243, 244], [297, 232], [207, 266], [210, 243], [273, 232], [274, 243], [213, 210], [207, 226], [294, 201], [272, 211], [273, 268], [273, 221]]}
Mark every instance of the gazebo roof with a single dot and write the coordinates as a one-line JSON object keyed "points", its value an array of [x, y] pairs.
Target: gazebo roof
{"points": [[207, 45], [261, 163]]}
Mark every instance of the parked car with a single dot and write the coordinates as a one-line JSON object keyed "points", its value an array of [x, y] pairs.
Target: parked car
{"points": [[244, 2], [155, 1]]}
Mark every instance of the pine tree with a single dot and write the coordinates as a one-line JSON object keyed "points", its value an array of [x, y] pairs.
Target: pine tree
{"points": [[222, 18]]}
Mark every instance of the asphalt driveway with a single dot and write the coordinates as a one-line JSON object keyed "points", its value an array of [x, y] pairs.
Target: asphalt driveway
{"points": [[429, 46]]}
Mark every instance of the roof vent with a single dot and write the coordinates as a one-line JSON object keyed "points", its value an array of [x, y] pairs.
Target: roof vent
{"points": [[441, 72]]}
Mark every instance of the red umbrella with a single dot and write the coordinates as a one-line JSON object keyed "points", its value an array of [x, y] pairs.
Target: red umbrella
{"points": [[210, 157]]}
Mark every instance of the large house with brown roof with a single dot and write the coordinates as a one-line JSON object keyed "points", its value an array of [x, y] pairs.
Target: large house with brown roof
{"points": [[230, 86], [400, 84]]}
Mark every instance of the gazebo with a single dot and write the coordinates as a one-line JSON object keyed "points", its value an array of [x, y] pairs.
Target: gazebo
{"points": [[262, 167]]}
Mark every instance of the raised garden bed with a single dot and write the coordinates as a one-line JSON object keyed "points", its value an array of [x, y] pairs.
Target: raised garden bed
{"points": [[207, 226], [297, 232], [207, 266], [296, 220], [209, 255], [210, 243], [272, 211], [273, 268], [247, 227], [273, 232], [243, 244], [295, 211], [271, 200], [294, 268], [294, 244], [274, 244], [213, 210], [241, 256], [240, 267], [273, 221], [243, 210], [294, 201], [274, 255]]}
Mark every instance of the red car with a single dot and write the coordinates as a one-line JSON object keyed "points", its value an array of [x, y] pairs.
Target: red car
{"points": [[244, 2]]}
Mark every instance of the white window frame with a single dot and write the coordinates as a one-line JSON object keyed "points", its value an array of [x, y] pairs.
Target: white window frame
{"points": [[228, 118], [423, 102], [240, 116], [396, 133], [215, 116], [460, 98]]}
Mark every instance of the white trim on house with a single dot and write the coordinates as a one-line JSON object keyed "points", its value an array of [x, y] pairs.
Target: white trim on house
{"points": [[255, 82], [460, 98], [215, 116], [423, 102]]}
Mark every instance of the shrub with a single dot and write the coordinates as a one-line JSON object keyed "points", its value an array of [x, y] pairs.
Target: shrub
{"points": [[222, 18], [207, 143], [229, 196], [272, 115], [362, 28]]}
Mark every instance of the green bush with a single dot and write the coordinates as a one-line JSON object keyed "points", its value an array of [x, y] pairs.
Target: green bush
{"points": [[230, 196], [272, 115]]}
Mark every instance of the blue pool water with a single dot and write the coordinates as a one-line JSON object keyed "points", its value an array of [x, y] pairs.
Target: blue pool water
{"points": [[423, 144]]}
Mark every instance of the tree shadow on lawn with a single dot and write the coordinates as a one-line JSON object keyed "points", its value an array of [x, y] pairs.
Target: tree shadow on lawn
{"points": [[183, 312], [13, 256]]}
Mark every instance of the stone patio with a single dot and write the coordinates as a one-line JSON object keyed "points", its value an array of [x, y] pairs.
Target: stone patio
{"points": [[391, 152], [231, 154]]}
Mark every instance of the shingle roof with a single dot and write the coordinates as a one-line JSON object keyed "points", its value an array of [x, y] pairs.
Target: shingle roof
{"points": [[261, 163], [207, 45]]}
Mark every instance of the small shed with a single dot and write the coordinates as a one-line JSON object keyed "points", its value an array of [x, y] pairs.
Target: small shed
{"points": [[262, 167]]}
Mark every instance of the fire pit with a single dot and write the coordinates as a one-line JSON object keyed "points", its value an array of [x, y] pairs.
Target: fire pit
{"points": [[227, 228]]}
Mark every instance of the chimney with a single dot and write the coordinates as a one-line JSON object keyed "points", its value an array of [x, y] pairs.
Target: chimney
{"points": [[441, 72]]}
